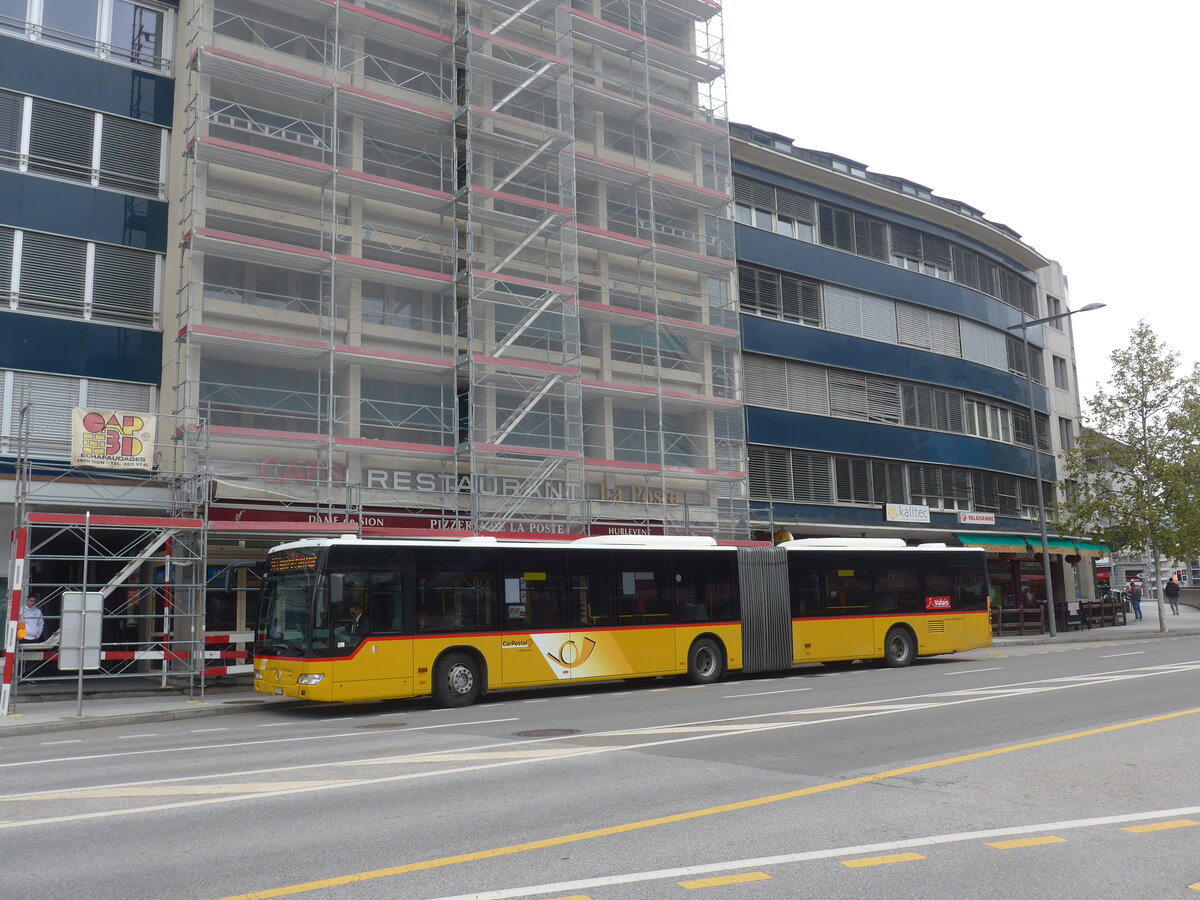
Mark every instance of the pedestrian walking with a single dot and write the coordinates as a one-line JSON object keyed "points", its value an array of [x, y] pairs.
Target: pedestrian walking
{"points": [[1172, 594], [1134, 592]]}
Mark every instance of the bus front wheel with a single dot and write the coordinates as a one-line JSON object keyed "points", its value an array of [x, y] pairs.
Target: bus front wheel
{"points": [[705, 662], [456, 680], [899, 650]]}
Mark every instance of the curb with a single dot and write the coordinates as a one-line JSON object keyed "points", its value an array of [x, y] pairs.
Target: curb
{"points": [[1090, 637], [167, 715]]}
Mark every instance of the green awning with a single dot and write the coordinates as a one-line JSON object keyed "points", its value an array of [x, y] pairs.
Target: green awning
{"points": [[1016, 543], [997, 543]]}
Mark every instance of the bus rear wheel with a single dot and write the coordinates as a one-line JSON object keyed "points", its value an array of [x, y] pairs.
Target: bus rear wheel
{"points": [[705, 662], [899, 650], [456, 680]]}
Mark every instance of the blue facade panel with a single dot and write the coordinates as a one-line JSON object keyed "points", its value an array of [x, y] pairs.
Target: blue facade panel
{"points": [[821, 193], [775, 251], [83, 349], [80, 211], [802, 431], [42, 70], [799, 342]]}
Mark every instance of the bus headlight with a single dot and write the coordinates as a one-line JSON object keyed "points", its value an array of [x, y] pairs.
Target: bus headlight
{"points": [[258, 676], [313, 678]]}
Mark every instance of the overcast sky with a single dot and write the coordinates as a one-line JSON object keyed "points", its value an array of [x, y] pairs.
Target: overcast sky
{"points": [[1072, 122]]}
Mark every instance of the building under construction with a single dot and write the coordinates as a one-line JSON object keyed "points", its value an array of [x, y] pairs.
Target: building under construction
{"points": [[458, 266]]}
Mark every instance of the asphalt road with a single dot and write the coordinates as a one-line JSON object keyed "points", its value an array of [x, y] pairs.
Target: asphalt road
{"points": [[1065, 771]]}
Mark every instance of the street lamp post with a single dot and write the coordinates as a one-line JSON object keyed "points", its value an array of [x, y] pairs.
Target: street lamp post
{"points": [[1037, 467]]}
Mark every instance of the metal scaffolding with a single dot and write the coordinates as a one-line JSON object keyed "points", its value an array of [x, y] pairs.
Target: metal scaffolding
{"points": [[460, 265]]}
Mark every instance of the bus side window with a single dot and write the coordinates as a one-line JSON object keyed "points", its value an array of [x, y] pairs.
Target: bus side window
{"points": [[806, 592], [846, 592], [896, 591], [592, 594], [970, 588], [643, 589]]}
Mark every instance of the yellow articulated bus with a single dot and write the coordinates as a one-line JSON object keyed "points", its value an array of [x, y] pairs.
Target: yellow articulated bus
{"points": [[360, 619]]}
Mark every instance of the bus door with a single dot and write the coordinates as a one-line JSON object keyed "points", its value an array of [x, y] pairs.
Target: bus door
{"points": [[365, 627], [846, 630]]}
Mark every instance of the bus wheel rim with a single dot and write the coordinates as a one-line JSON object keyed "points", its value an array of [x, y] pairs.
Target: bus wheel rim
{"points": [[460, 679]]}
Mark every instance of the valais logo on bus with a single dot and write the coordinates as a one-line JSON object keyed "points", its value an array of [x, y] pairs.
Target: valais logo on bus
{"points": [[937, 603]]}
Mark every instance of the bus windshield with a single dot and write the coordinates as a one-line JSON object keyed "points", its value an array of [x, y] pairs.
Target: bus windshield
{"points": [[286, 622]]}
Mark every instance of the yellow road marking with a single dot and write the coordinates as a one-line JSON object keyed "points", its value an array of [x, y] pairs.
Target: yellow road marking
{"points": [[997, 654], [1161, 826], [1027, 842], [511, 849], [880, 860], [724, 879]]}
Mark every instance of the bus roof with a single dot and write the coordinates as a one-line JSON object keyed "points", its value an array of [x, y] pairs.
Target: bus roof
{"points": [[643, 541]]}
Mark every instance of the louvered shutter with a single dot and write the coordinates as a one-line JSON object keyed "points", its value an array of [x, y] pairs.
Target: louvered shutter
{"points": [[837, 228], [883, 400], [847, 394], [52, 273], [956, 485], [765, 380], [1014, 352], [767, 291], [747, 289], [966, 267], [906, 241], [123, 285], [852, 476], [122, 395], [878, 318], [756, 466], [795, 206], [912, 325], [6, 252], [131, 155], [807, 389], [870, 237], [51, 399], [11, 114], [843, 310], [753, 193], [60, 140], [774, 473], [790, 300], [936, 250], [943, 334], [812, 477]]}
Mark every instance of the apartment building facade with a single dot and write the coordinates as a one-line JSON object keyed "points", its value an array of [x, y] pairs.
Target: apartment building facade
{"points": [[885, 369]]}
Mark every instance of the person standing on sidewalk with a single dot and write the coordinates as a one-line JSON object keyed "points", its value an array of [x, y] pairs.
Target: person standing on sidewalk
{"points": [[31, 622], [1171, 591], [1134, 592]]}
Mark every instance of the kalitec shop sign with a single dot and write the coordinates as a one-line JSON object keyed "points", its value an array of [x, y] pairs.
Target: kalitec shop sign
{"points": [[906, 512]]}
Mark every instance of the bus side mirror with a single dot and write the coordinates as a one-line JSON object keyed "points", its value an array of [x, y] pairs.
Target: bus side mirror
{"points": [[337, 589]]}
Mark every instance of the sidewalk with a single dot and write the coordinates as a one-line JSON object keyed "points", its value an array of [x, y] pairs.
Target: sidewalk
{"points": [[1186, 623], [52, 706]]}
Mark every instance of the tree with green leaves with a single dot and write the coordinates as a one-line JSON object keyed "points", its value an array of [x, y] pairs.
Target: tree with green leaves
{"points": [[1133, 475]]}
